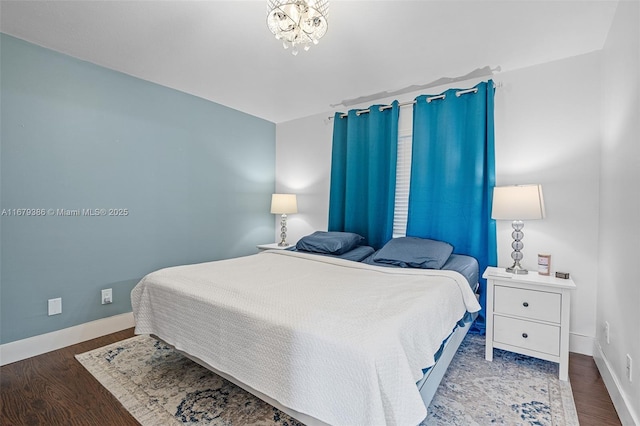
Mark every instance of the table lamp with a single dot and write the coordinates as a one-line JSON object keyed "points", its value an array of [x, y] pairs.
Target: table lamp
{"points": [[517, 203], [283, 204]]}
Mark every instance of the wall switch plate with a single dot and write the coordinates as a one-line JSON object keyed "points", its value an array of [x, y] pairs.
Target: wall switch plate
{"points": [[629, 363], [606, 331], [107, 296], [55, 306]]}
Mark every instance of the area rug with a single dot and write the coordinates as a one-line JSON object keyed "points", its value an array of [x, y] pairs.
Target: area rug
{"points": [[159, 386]]}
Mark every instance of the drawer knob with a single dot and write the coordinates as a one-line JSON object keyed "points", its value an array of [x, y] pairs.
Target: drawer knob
{"points": [[525, 335], [525, 304]]}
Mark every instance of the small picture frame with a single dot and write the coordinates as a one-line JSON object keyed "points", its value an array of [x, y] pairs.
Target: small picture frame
{"points": [[544, 264]]}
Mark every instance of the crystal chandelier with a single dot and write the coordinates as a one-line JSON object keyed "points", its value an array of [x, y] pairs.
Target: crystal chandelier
{"points": [[298, 22]]}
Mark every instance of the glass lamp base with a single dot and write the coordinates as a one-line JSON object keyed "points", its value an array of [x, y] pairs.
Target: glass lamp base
{"points": [[517, 246], [517, 269], [283, 231]]}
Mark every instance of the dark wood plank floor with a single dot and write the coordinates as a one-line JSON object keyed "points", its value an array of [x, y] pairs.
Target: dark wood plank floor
{"points": [[593, 403], [54, 389]]}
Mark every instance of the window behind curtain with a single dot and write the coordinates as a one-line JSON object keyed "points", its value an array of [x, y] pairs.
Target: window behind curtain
{"points": [[403, 178], [403, 171]]}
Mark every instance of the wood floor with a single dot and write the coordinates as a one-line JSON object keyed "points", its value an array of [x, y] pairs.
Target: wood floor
{"points": [[592, 400], [54, 389]]}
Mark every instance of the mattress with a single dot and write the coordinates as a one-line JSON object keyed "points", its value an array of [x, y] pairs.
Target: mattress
{"points": [[463, 264], [341, 341], [357, 254]]}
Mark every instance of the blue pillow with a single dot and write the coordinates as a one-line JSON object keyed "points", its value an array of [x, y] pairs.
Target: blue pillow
{"points": [[412, 252], [357, 254], [330, 242]]}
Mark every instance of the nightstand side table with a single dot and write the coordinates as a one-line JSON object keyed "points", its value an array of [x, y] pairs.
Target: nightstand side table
{"points": [[529, 314], [272, 246]]}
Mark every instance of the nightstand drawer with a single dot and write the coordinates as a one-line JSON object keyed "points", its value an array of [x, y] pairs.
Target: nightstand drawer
{"points": [[529, 335], [538, 305]]}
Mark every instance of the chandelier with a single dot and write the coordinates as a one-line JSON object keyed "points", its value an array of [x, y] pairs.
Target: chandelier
{"points": [[298, 22]]}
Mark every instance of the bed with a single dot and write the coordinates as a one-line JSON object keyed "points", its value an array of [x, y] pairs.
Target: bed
{"points": [[327, 340]]}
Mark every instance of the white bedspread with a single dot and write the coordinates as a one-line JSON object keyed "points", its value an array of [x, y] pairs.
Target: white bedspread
{"points": [[341, 341]]}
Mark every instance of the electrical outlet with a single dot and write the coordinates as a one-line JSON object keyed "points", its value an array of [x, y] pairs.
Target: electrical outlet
{"points": [[55, 306], [107, 296], [629, 371], [606, 331]]}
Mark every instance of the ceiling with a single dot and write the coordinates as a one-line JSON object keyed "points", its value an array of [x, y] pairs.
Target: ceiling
{"points": [[222, 50]]}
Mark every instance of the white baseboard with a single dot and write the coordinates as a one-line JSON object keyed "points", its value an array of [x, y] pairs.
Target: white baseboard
{"points": [[579, 343], [620, 400], [37, 345]]}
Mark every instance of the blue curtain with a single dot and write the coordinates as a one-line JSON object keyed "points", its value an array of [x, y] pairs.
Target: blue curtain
{"points": [[363, 173], [453, 174]]}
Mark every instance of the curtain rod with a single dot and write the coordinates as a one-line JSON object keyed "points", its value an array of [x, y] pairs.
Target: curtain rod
{"points": [[429, 99]]}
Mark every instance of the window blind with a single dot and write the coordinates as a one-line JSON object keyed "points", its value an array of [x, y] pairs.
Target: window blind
{"points": [[403, 179]]}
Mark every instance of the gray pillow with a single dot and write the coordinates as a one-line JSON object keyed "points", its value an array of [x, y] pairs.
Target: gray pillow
{"points": [[412, 252], [330, 242]]}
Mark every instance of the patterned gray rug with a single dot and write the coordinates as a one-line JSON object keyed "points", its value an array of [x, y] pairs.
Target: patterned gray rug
{"points": [[159, 386]]}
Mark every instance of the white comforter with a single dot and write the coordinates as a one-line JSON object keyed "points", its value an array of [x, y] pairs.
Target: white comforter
{"points": [[341, 341]]}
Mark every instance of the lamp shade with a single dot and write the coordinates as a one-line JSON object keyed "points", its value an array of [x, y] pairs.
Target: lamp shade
{"points": [[284, 204], [518, 202]]}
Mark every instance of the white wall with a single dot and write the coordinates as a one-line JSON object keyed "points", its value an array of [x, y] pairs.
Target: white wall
{"points": [[303, 165], [547, 131], [618, 286]]}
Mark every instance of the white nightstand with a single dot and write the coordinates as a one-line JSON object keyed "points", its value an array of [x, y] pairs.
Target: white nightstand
{"points": [[529, 314], [272, 246]]}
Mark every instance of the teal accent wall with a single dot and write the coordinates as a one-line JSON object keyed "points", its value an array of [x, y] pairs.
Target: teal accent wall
{"points": [[195, 178]]}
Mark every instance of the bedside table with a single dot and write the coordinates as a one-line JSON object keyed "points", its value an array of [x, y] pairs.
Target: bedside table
{"points": [[529, 314], [272, 246]]}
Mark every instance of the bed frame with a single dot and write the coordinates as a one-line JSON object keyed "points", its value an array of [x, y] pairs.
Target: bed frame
{"points": [[428, 385]]}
